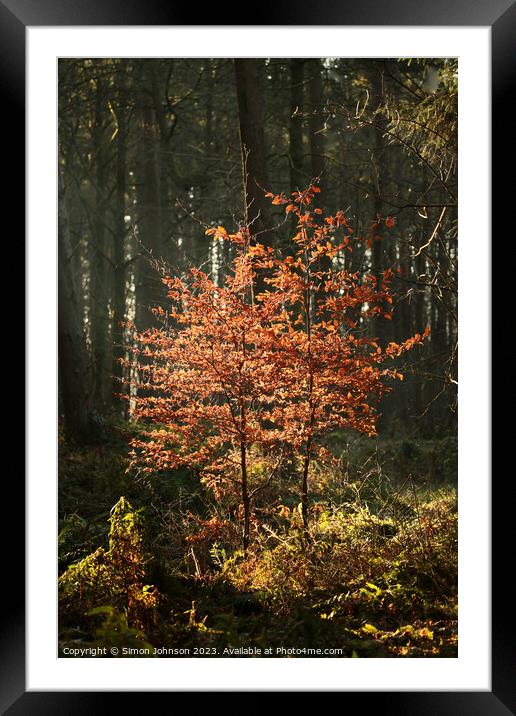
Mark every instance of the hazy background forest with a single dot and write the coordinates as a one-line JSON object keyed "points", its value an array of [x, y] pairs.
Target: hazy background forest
{"points": [[150, 155]]}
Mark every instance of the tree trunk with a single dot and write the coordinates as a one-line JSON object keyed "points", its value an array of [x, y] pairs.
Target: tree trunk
{"points": [[297, 179], [99, 310], [316, 120], [73, 357], [304, 494], [149, 230], [419, 312], [163, 165], [316, 125], [246, 502], [252, 142], [379, 182], [119, 293]]}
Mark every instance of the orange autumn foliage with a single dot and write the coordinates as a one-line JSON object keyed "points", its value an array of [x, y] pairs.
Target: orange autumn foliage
{"points": [[233, 374]]}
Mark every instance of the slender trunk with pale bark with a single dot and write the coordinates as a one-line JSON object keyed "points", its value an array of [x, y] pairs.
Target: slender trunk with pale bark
{"points": [[149, 229], [119, 259]]}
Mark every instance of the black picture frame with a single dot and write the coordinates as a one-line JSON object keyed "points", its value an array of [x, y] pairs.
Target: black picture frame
{"points": [[500, 16]]}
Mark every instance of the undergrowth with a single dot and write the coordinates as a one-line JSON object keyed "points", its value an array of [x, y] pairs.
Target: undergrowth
{"points": [[156, 563]]}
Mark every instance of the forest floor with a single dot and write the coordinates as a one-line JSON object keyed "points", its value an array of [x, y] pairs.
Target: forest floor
{"points": [[162, 568]]}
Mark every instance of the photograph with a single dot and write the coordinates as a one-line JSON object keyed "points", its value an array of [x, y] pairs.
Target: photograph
{"points": [[257, 357]]}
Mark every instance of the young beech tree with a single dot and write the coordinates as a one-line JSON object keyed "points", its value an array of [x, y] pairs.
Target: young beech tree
{"points": [[233, 374]]}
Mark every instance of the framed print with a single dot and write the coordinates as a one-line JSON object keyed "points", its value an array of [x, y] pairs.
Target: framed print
{"points": [[258, 439]]}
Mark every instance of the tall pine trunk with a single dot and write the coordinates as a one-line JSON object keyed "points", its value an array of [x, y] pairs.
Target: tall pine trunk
{"points": [[74, 373], [297, 179], [252, 142], [99, 262]]}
